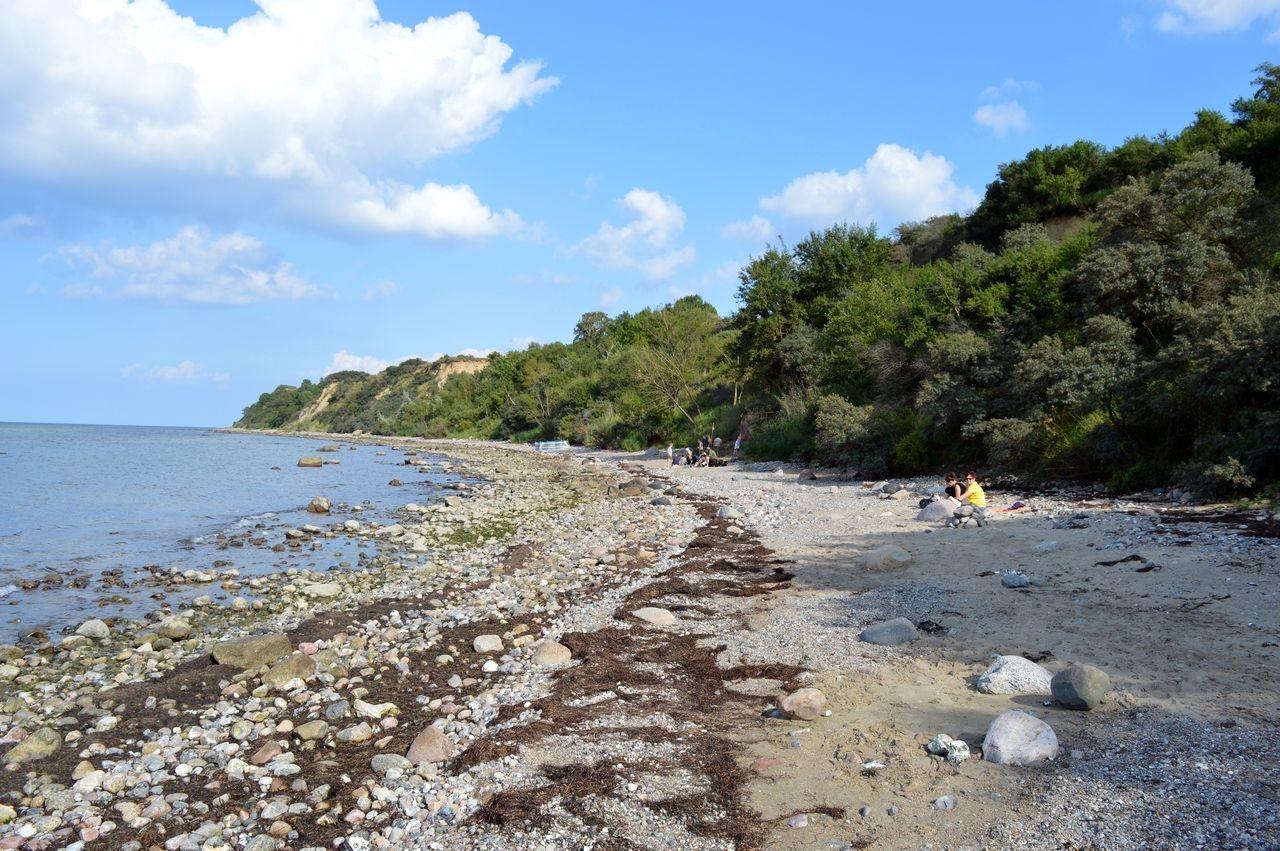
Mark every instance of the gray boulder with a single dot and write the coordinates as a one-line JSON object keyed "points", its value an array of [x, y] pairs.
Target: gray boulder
{"points": [[1014, 579], [40, 744], [1080, 687], [291, 671], [890, 632], [1019, 738], [252, 651], [1014, 675], [95, 630]]}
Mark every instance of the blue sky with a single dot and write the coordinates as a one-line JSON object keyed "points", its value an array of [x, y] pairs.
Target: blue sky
{"points": [[202, 200]]}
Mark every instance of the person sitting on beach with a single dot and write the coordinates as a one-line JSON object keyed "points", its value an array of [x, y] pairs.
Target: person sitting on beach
{"points": [[953, 487], [973, 503]]}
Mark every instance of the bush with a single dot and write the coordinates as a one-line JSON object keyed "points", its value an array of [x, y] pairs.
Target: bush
{"points": [[785, 436]]}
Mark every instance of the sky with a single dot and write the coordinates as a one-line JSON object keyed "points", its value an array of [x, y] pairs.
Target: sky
{"points": [[203, 199]]}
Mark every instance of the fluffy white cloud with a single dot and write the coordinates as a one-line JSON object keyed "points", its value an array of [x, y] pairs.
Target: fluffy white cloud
{"points": [[894, 185], [193, 265], [182, 373], [644, 243], [754, 229], [610, 297], [1210, 16], [307, 106], [19, 224], [382, 289], [1002, 118]]}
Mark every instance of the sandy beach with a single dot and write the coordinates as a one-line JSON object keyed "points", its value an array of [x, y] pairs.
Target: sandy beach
{"points": [[597, 650]]}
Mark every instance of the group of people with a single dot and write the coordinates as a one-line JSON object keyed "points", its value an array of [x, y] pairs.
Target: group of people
{"points": [[968, 498], [707, 454]]}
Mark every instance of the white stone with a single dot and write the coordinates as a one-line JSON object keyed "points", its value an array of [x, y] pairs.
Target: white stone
{"points": [[1019, 738], [1014, 675]]}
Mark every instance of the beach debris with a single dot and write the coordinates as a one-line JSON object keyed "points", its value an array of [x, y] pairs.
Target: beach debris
{"points": [[1014, 675], [886, 558], [1019, 738], [1080, 687], [806, 704], [889, 633]]}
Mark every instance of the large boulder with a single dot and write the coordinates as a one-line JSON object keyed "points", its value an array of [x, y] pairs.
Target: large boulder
{"points": [[938, 510], [806, 704], [1019, 738], [40, 744], [310, 461], [886, 558], [1080, 687], [635, 487], [94, 630], [322, 589], [487, 644], [290, 672], [890, 632], [655, 616], [252, 651], [174, 628], [549, 653], [1014, 675], [319, 505], [429, 746]]}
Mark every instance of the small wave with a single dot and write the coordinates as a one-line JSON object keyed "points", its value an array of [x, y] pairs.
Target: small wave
{"points": [[6, 590]]}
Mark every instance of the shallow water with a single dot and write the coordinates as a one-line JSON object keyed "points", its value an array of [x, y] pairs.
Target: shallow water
{"points": [[81, 502]]}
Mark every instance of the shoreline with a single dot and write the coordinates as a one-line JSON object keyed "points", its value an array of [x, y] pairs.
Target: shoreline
{"points": [[667, 732]]}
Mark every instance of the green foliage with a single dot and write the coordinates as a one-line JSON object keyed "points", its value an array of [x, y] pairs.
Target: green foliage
{"points": [[1110, 313]]}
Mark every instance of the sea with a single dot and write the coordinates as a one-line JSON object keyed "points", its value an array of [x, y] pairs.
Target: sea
{"points": [[92, 517]]}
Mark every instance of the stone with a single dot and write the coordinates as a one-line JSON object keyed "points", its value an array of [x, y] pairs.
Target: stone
{"points": [[886, 558], [322, 589], [312, 730], [655, 616], [1080, 687], [356, 733], [266, 753], [955, 751], [889, 633], [94, 630], [549, 653], [806, 704], [310, 461], [252, 651], [946, 802], [1014, 579], [900, 493], [487, 644], [292, 671], [1019, 738], [728, 512], [1014, 675], [1047, 547], [319, 505], [174, 628], [40, 744], [635, 487], [431, 745], [386, 762]]}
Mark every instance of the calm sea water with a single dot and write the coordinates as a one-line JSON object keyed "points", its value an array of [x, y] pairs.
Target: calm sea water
{"points": [[84, 504]]}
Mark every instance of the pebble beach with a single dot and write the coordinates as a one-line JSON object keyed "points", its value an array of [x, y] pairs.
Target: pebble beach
{"points": [[596, 650]]}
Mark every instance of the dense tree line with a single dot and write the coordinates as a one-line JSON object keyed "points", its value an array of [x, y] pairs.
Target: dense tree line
{"points": [[1108, 314]]}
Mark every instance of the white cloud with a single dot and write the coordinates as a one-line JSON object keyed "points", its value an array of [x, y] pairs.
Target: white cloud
{"points": [[894, 185], [344, 360], [1213, 16], [19, 224], [307, 107], [382, 289], [193, 265], [1002, 118], [182, 373], [610, 297], [643, 243], [754, 229], [519, 344]]}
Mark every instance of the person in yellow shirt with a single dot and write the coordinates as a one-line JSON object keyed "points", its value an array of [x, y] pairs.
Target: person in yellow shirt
{"points": [[973, 503]]}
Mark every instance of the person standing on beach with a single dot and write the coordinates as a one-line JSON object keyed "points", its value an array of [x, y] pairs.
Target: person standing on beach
{"points": [[737, 445]]}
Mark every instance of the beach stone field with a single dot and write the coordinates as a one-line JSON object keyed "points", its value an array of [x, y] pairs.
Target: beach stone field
{"points": [[595, 650]]}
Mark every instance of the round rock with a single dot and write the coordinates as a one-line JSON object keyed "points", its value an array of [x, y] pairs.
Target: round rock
{"points": [[886, 558], [1019, 738], [1080, 686], [889, 633], [1014, 675], [806, 704]]}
